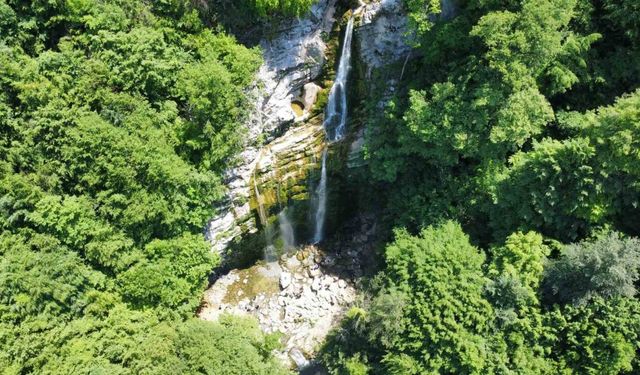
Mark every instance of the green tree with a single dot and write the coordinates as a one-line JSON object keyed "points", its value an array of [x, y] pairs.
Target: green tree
{"points": [[445, 143], [496, 102], [600, 337], [614, 132], [522, 255], [554, 188], [106, 182], [516, 270], [606, 267], [292, 7], [444, 323]]}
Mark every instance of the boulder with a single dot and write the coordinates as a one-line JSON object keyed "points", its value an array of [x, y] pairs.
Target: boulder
{"points": [[293, 263], [316, 285], [310, 95], [314, 270], [285, 280]]}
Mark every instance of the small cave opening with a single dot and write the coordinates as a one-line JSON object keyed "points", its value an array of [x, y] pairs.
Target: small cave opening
{"points": [[298, 107]]}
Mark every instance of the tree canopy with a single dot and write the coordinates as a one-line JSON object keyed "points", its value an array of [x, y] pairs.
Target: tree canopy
{"points": [[117, 119], [518, 120], [505, 161]]}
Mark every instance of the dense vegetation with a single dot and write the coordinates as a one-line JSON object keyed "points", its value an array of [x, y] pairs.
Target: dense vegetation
{"points": [[507, 162], [511, 158], [116, 120]]}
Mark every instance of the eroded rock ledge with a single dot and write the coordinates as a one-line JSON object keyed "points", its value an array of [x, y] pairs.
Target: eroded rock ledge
{"points": [[305, 294]]}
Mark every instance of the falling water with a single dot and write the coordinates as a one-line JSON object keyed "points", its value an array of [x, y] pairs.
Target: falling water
{"points": [[286, 231], [336, 113], [321, 194], [334, 123], [261, 211], [269, 250]]}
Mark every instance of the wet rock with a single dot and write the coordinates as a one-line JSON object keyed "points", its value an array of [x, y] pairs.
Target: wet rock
{"points": [[298, 358], [293, 59]]}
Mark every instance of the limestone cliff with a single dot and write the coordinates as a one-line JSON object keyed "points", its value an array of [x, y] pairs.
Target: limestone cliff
{"points": [[281, 142], [280, 163]]}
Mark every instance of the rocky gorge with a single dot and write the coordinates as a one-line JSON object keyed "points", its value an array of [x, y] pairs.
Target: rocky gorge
{"points": [[302, 292]]}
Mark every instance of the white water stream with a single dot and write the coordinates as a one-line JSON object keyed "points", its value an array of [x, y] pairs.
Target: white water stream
{"points": [[321, 196], [287, 233], [270, 250], [336, 113], [335, 123]]}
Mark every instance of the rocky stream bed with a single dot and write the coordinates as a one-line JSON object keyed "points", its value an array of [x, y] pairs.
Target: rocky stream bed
{"points": [[302, 296]]}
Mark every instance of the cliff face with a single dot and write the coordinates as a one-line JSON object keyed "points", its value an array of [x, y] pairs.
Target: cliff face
{"points": [[383, 34], [282, 143], [382, 48], [280, 164]]}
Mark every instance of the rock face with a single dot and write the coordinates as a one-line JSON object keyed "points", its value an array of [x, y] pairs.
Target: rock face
{"points": [[382, 35], [276, 162], [292, 60], [383, 39]]}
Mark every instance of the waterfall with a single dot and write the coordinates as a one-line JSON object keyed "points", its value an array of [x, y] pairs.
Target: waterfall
{"points": [[321, 196], [336, 112], [270, 250], [286, 231], [335, 122], [261, 211]]}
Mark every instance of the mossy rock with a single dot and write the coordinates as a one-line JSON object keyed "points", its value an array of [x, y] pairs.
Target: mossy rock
{"points": [[251, 283]]}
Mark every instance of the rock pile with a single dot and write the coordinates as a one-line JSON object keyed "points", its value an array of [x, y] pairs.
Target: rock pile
{"points": [[309, 300], [303, 295]]}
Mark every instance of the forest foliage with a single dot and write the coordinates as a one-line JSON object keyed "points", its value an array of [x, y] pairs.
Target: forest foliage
{"points": [[442, 306], [509, 159], [507, 162], [117, 119]]}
